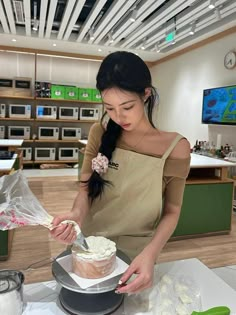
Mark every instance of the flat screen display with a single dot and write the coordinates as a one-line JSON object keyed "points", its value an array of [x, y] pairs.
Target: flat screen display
{"points": [[219, 106]]}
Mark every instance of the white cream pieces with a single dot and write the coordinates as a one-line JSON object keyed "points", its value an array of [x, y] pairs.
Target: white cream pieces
{"points": [[99, 248]]}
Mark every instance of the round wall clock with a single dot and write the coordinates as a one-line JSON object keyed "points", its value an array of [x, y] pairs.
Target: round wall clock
{"points": [[230, 60]]}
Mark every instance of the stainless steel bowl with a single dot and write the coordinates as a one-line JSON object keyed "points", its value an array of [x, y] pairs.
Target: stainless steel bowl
{"points": [[11, 292]]}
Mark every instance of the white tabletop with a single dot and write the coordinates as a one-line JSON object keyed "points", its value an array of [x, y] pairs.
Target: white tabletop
{"points": [[11, 142], [6, 165], [83, 141], [205, 162], [43, 297]]}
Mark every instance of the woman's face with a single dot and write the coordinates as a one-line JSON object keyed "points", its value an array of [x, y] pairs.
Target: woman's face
{"points": [[124, 108]]}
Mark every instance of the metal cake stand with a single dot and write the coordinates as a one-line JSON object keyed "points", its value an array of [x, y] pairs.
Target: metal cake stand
{"points": [[99, 299]]}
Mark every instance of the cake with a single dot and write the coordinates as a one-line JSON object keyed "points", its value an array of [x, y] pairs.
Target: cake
{"points": [[99, 261]]}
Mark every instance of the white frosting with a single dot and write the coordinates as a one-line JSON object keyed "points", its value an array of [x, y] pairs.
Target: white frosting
{"points": [[179, 288], [99, 248], [166, 279], [185, 298], [181, 310]]}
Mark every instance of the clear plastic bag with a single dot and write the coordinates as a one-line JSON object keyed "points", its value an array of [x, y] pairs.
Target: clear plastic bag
{"points": [[171, 294], [18, 205]]}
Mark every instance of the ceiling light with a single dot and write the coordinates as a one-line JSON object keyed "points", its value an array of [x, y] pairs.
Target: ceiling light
{"points": [[157, 48], [35, 26], [99, 49], [173, 42], [54, 45], [36, 22], [133, 15], [110, 37], [212, 4], [192, 30], [91, 34], [13, 40], [143, 45], [218, 14]]}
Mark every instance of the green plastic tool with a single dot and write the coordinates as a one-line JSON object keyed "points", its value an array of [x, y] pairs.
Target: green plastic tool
{"points": [[219, 310]]}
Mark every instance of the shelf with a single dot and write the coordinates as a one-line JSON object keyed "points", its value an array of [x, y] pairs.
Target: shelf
{"points": [[15, 118], [51, 140], [207, 180], [48, 99], [18, 97], [28, 162], [56, 141], [50, 162], [66, 120], [49, 120], [63, 100]]}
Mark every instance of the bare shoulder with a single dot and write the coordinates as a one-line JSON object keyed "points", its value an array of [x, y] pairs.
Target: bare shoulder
{"points": [[182, 148]]}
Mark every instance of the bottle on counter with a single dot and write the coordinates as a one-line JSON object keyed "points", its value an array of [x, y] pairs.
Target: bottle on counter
{"points": [[212, 149]]}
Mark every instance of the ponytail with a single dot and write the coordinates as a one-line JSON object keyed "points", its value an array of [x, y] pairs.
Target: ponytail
{"points": [[96, 183]]}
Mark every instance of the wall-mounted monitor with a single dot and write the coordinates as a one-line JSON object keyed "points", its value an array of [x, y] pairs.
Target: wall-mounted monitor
{"points": [[219, 105]]}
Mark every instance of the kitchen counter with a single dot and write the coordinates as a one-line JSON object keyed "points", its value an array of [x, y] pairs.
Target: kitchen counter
{"points": [[6, 165], [208, 198], [11, 142], [43, 297], [199, 161]]}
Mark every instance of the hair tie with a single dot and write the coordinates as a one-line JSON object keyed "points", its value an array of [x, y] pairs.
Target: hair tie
{"points": [[100, 163]]}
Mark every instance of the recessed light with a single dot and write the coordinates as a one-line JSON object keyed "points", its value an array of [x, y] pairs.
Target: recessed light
{"points": [[212, 4], [13, 40], [99, 49], [54, 44]]}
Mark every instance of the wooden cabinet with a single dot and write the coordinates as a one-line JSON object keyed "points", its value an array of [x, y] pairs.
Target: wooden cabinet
{"points": [[207, 208], [208, 200]]}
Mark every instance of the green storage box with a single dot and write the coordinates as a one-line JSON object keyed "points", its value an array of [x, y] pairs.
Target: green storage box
{"points": [[96, 96], [58, 91], [71, 93], [85, 94]]}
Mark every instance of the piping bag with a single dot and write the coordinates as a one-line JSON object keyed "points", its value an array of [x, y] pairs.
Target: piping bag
{"points": [[19, 207], [219, 310]]}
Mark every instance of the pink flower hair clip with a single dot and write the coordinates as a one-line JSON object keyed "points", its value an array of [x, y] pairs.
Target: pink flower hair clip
{"points": [[100, 163]]}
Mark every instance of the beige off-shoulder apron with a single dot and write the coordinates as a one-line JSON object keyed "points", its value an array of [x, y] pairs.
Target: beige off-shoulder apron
{"points": [[130, 209]]}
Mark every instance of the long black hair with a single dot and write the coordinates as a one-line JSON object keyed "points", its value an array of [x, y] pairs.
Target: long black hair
{"points": [[126, 71]]}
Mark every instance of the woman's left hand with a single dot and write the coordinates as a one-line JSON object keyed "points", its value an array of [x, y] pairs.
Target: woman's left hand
{"points": [[143, 267]]}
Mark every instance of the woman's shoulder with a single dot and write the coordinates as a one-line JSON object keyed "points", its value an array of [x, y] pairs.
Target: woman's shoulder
{"points": [[96, 130], [181, 149]]}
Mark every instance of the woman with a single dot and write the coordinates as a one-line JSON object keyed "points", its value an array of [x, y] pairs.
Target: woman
{"points": [[128, 169]]}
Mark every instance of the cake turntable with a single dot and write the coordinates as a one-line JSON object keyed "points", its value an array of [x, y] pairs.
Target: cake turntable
{"points": [[99, 299]]}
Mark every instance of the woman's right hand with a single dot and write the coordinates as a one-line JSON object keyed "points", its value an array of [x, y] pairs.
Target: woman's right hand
{"points": [[64, 232]]}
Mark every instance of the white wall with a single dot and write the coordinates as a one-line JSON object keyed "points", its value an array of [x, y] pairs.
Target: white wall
{"points": [[180, 82], [69, 71]]}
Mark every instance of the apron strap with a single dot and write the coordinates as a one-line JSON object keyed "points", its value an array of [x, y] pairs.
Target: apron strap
{"points": [[171, 147]]}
